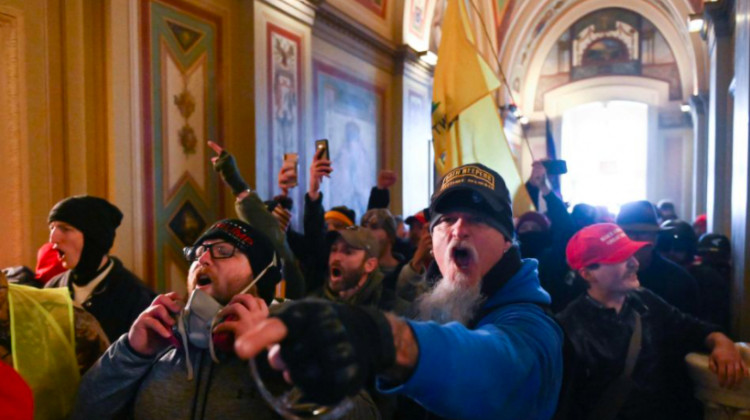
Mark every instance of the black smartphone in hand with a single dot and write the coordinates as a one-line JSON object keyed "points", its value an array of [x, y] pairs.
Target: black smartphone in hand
{"points": [[321, 149], [555, 166]]}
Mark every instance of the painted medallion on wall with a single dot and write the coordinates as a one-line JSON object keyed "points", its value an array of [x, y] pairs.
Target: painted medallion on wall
{"points": [[181, 58], [349, 113]]}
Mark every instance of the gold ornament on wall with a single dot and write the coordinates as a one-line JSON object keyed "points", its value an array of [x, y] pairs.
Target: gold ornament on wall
{"points": [[186, 104]]}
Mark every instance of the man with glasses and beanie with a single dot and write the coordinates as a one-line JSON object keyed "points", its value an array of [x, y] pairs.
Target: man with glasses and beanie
{"points": [[629, 344], [177, 360], [82, 231], [482, 346]]}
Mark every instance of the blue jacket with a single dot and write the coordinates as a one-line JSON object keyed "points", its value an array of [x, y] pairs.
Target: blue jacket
{"points": [[508, 367]]}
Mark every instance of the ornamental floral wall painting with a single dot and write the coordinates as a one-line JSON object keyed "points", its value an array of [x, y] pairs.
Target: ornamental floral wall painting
{"points": [[182, 105]]}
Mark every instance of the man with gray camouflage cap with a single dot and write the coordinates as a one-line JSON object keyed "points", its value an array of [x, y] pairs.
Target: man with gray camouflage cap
{"points": [[353, 273]]}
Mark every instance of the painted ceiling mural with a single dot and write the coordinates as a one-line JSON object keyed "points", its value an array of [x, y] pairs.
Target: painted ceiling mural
{"points": [[548, 13], [609, 42]]}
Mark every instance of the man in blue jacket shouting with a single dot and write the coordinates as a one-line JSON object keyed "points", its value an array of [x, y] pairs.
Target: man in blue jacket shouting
{"points": [[481, 346]]}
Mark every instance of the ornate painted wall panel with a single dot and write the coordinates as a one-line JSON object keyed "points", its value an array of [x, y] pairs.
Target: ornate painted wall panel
{"points": [[349, 112], [417, 147], [282, 122], [182, 104], [284, 59], [417, 23], [417, 17]]}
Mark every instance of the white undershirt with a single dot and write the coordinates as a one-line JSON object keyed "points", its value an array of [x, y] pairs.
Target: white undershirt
{"points": [[81, 293]]}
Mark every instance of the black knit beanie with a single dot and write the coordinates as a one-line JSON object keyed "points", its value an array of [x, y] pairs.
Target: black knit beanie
{"points": [[97, 219], [255, 245]]}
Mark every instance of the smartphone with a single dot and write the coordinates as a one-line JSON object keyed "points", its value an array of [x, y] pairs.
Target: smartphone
{"points": [[294, 158], [555, 167], [321, 149]]}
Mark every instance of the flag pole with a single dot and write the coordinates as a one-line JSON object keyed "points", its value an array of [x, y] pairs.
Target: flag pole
{"points": [[503, 80]]}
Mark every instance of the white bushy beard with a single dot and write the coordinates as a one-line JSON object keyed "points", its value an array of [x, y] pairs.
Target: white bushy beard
{"points": [[450, 301]]}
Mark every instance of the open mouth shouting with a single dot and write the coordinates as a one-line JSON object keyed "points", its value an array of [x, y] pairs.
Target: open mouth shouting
{"points": [[64, 258], [463, 256], [336, 272], [203, 280]]}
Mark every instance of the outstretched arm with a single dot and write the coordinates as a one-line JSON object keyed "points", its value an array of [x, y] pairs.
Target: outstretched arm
{"points": [[251, 209], [489, 367]]}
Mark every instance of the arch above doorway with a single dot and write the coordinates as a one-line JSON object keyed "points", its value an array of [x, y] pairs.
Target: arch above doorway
{"points": [[603, 89], [526, 51]]}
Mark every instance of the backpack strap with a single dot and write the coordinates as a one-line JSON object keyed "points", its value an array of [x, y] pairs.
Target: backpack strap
{"points": [[614, 396]]}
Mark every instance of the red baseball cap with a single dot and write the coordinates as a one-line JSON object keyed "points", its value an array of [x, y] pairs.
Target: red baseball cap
{"points": [[602, 243], [418, 217]]}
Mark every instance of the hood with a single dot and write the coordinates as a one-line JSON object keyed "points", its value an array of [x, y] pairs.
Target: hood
{"points": [[523, 287]]}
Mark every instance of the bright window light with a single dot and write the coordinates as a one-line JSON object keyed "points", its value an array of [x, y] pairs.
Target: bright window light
{"points": [[605, 147]]}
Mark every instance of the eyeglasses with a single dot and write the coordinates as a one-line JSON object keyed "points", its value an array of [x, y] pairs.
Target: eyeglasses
{"points": [[218, 251]]}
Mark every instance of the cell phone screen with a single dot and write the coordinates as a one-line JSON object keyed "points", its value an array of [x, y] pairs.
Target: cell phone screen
{"points": [[321, 149]]}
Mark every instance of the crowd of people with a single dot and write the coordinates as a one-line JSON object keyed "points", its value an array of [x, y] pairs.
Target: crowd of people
{"points": [[460, 311]]}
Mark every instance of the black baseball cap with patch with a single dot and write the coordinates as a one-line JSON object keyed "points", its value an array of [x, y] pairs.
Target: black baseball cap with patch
{"points": [[475, 188]]}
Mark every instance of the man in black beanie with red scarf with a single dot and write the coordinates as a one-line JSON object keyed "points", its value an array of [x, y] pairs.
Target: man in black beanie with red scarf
{"points": [[82, 231]]}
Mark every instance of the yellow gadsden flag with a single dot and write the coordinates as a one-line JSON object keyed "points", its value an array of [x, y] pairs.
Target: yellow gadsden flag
{"points": [[466, 125]]}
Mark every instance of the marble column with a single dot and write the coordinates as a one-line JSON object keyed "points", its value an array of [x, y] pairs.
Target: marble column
{"points": [[719, 168]]}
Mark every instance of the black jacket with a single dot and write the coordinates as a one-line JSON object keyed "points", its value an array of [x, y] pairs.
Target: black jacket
{"points": [[117, 300], [672, 283], [600, 338]]}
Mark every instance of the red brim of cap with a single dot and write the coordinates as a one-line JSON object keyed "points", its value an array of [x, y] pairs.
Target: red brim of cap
{"points": [[622, 254]]}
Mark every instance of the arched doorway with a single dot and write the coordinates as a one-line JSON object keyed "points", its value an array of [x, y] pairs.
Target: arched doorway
{"points": [[605, 145]]}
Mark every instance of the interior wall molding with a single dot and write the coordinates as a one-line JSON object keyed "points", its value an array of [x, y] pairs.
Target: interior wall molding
{"points": [[408, 64], [631, 88], [301, 10], [12, 170], [333, 26]]}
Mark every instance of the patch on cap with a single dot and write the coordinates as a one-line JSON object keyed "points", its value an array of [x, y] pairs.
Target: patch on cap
{"points": [[236, 231], [468, 174]]}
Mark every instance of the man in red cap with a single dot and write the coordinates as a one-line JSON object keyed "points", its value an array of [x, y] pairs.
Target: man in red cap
{"points": [[629, 344]]}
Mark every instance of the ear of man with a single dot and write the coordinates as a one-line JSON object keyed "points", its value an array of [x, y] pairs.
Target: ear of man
{"points": [[506, 246], [371, 263], [587, 274]]}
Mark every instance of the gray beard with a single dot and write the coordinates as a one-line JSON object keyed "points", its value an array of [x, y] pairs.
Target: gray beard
{"points": [[450, 301]]}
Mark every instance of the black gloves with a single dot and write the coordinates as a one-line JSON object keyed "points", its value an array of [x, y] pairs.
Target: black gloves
{"points": [[227, 167], [332, 349]]}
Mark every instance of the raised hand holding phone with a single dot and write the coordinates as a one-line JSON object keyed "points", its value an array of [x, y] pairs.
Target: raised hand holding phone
{"points": [[288, 174], [321, 149], [320, 167]]}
